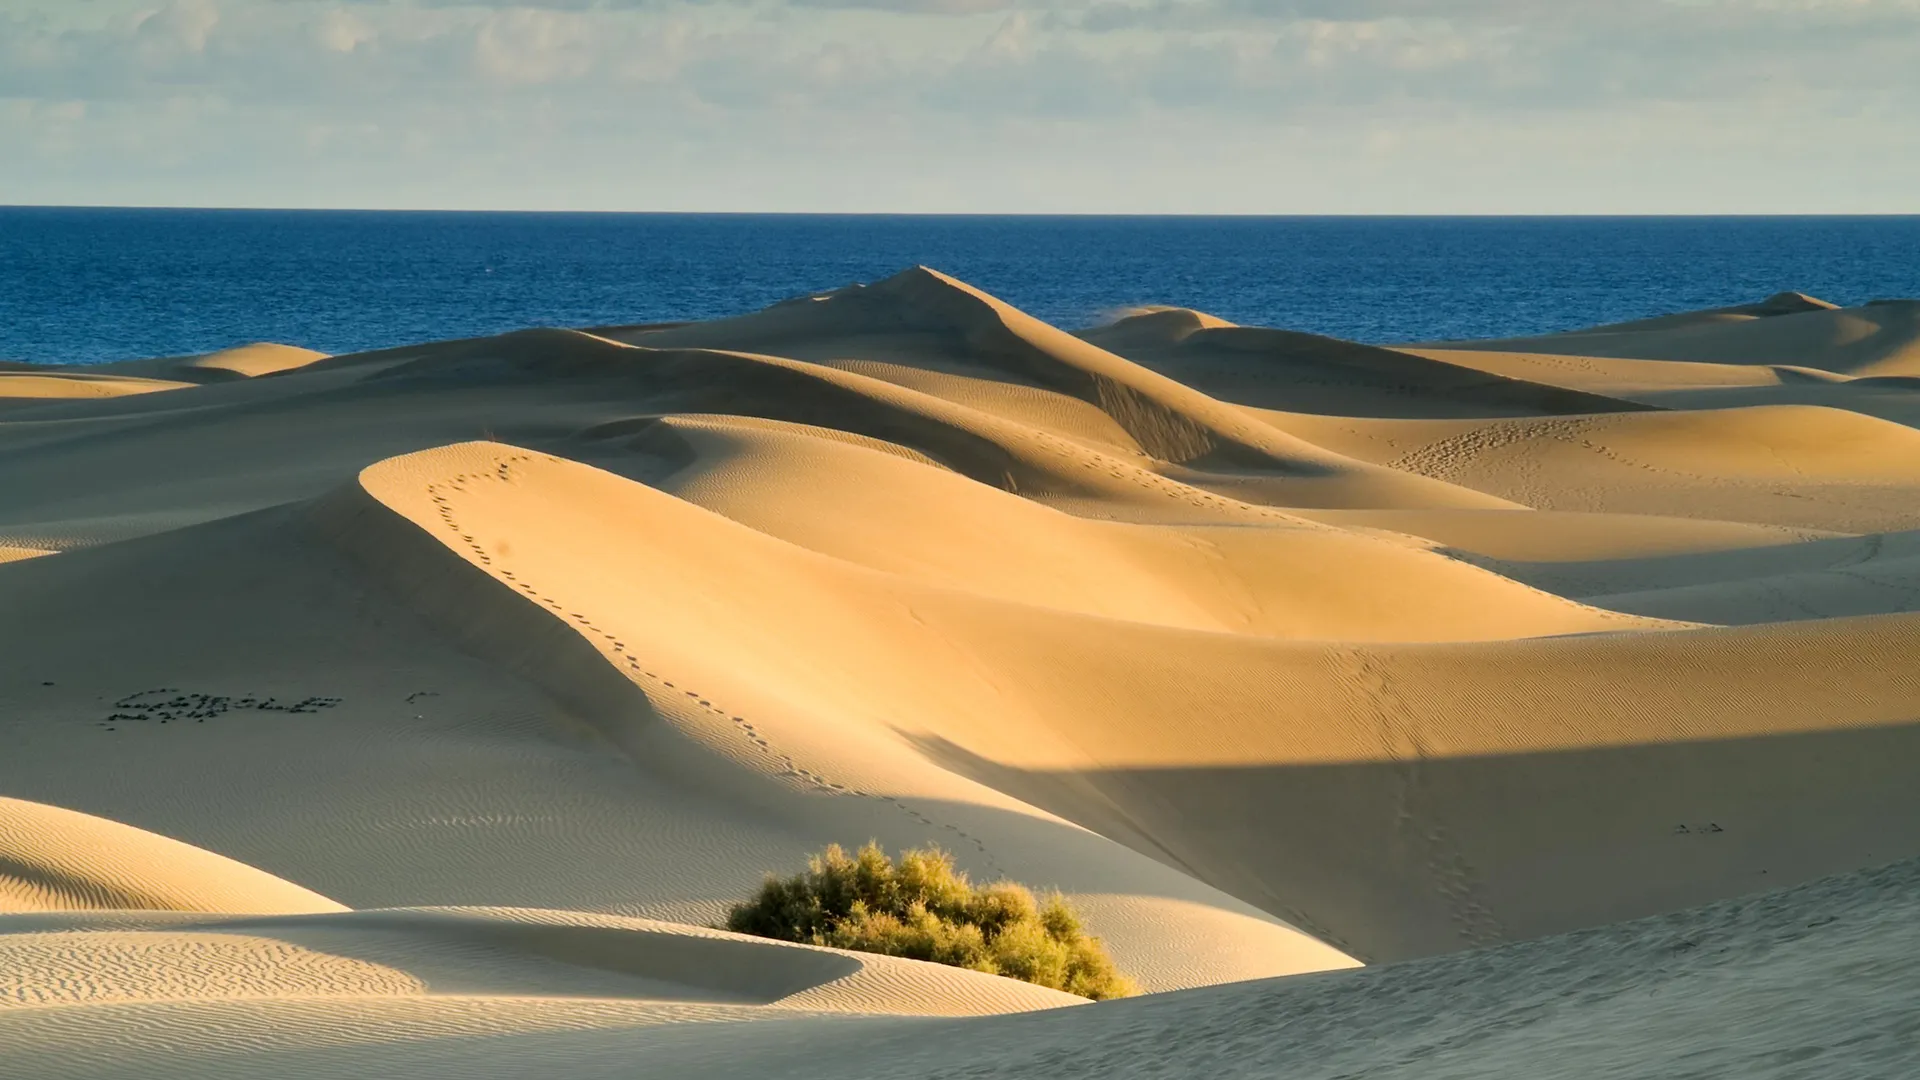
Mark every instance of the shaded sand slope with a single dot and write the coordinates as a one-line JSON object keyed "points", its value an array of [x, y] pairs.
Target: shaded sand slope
{"points": [[1788, 350], [1780, 303], [1762, 578], [1878, 585], [1882, 338], [1671, 384], [1275, 653], [1523, 538], [1282, 369]]}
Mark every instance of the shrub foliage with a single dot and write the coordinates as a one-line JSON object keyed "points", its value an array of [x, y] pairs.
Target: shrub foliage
{"points": [[924, 909]]}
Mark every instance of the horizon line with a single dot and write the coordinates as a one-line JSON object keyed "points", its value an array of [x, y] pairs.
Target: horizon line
{"points": [[1227, 215]]}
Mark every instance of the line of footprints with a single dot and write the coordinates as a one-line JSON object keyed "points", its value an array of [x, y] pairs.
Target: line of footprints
{"points": [[438, 492]]}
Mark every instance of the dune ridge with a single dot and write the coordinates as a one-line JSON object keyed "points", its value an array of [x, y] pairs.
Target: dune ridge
{"points": [[525, 655], [1310, 373]]}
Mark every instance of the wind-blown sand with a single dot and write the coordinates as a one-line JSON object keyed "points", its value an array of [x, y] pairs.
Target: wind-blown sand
{"points": [[413, 712]]}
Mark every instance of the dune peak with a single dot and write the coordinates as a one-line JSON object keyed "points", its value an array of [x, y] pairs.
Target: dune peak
{"points": [[1791, 303]]}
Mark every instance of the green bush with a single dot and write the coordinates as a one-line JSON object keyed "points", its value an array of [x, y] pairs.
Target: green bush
{"points": [[924, 909]]}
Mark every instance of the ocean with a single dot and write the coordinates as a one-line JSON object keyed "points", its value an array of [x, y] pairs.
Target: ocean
{"points": [[93, 285]]}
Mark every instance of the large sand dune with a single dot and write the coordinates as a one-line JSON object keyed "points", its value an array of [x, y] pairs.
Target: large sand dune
{"points": [[413, 711]]}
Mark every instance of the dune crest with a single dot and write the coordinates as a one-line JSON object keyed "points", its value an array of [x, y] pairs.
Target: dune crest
{"points": [[240, 362]]}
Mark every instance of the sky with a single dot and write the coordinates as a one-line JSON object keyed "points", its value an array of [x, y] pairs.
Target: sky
{"points": [[989, 106]]}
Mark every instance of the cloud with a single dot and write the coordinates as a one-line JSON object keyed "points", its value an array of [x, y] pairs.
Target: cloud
{"points": [[1694, 95], [342, 31]]}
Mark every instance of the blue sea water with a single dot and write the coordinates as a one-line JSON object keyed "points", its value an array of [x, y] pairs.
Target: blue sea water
{"points": [[91, 285]]}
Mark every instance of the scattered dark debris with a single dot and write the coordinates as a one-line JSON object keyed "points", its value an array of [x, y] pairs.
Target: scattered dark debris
{"points": [[164, 704]]}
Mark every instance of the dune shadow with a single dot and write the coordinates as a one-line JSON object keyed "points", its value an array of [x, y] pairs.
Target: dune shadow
{"points": [[1392, 859]]}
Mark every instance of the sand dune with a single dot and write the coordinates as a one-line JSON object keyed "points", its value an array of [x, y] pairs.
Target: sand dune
{"points": [[1882, 338], [122, 957], [239, 362], [1787, 465], [1282, 369], [1884, 586], [35, 387], [1277, 654], [1279, 578], [57, 860]]}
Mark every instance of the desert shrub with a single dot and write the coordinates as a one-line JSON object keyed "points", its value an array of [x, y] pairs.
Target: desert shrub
{"points": [[924, 909]]}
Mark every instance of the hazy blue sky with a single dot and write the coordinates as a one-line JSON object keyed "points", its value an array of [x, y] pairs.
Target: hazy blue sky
{"points": [[1265, 106]]}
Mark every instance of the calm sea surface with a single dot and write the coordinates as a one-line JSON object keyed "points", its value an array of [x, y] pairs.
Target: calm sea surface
{"points": [[89, 285]]}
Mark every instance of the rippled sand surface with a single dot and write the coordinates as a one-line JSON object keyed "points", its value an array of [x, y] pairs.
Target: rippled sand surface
{"points": [[415, 711]]}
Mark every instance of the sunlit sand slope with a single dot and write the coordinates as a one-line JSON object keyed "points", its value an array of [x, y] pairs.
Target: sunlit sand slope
{"points": [[58, 860], [26, 386], [1276, 654], [239, 362], [1790, 465], [123, 957]]}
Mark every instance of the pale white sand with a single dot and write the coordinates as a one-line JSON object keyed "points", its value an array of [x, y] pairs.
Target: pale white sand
{"points": [[411, 712]]}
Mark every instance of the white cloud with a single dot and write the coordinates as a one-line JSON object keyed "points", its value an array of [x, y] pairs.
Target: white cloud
{"points": [[181, 25], [342, 31], [1274, 105]]}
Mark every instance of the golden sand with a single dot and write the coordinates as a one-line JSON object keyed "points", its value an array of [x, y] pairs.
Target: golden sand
{"points": [[412, 712]]}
